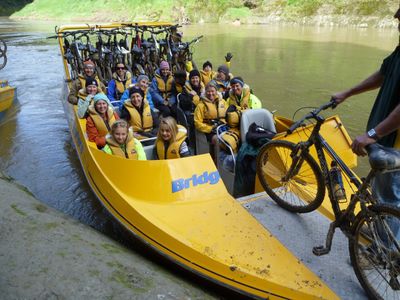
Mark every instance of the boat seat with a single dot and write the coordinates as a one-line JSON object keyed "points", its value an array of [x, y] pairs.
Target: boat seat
{"points": [[228, 176], [149, 151], [202, 145], [260, 116]]}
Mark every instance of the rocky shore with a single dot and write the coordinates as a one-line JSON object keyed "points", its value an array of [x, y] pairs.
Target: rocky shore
{"points": [[45, 254]]}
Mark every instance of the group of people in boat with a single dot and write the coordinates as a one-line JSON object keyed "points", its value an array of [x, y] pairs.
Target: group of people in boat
{"points": [[134, 109]]}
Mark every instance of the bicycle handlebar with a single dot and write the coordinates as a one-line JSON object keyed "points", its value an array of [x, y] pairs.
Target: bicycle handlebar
{"points": [[311, 115]]}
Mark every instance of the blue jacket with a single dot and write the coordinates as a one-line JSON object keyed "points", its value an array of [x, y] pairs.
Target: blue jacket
{"points": [[112, 89], [157, 96]]}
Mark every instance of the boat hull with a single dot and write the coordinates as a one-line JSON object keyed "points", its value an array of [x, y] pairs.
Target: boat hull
{"points": [[7, 95], [182, 209]]}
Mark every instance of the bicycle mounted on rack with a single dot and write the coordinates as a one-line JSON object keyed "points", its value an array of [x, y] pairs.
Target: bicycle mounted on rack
{"points": [[296, 182], [142, 54]]}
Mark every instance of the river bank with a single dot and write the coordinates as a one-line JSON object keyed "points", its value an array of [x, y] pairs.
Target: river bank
{"points": [[303, 12], [45, 254]]}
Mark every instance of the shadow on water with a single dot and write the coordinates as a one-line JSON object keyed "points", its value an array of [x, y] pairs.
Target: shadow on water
{"points": [[8, 7]]}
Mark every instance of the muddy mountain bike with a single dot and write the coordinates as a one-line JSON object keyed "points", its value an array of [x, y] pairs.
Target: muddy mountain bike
{"points": [[296, 182]]}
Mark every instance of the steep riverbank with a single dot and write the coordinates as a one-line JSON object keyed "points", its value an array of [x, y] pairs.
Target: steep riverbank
{"points": [[308, 12], [47, 255]]}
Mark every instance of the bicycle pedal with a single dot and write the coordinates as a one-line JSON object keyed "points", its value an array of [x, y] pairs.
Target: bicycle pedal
{"points": [[320, 250]]}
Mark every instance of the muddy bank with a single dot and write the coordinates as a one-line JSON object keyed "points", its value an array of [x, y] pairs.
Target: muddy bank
{"points": [[47, 255]]}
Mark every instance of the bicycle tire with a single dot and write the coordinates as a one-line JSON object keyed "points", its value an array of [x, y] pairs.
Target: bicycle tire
{"points": [[3, 61], [375, 251], [302, 193], [3, 48]]}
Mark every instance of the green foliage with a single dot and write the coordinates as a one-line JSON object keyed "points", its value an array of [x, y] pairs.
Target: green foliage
{"points": [[237, 13], [192, 10], [304, 7]]}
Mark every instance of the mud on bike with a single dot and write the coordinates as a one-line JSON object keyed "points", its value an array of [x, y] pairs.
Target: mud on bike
{"points": [[296, 182]]}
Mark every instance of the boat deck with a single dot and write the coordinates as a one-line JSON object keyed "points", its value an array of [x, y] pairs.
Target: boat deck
{"points": [[299, 233]]}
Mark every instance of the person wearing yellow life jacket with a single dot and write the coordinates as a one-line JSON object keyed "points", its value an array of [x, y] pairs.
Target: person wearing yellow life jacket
{"points": [[209, 113], [100, 118], [189, 98], [207, 74], [222, 80], [138, 114], [80, 82], [170, 141], [121, 142], [241, 96], [161, 89], [86, 96], [142, 82], [122, 80]]}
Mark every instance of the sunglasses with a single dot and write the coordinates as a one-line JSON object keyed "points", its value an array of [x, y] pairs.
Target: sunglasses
{"points": [[120, 68]]}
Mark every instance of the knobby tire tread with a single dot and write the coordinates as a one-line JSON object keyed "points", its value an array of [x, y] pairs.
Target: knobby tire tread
{"points": [[381, 208], [320, 193]]}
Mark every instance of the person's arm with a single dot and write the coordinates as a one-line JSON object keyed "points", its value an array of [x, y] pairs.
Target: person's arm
{"points": [[372, 82], [155, 95], [172, 100], [255, 102], [107, 149], [140, 150], [83, 106], [124, 97], [150, 100], [387, 126], [93, 133], [111, 90], [73, 92], [184, 150], [198, 121]]}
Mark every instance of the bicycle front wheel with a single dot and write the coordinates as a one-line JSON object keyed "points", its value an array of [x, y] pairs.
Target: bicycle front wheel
{"points": [[302, 190], [375, 251]]}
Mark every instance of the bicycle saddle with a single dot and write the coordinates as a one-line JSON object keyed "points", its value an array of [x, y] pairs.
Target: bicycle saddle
{"points": [[383, 158]]}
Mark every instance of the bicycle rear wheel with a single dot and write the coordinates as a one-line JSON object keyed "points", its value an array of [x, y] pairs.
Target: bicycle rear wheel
{"points": [[303, 190], [375, 251]]}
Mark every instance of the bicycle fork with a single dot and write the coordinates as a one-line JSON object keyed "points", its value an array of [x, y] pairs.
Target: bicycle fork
{"points": [[297, 162]]}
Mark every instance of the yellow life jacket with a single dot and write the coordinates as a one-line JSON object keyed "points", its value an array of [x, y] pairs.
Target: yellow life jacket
{"points": [[206, 77], [127, 151], [214, 111], [122, 85], [232, 138], [173, 148], [188, 88], [244, 99], [139, 122], [82, 80], [233, 118], [165, 88], [102, 127]]}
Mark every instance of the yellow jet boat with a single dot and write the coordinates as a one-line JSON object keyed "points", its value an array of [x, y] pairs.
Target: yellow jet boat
{"points": [[182, 209], [7, 94]]}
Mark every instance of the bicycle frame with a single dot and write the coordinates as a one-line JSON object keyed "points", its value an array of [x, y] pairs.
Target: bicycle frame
{"points": [[342, 218]]}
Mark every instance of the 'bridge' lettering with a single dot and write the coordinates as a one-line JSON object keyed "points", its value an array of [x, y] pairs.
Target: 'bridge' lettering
{"points": [[180, 184]]}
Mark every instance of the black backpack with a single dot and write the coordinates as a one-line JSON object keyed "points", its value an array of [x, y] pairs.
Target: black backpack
{"points": [[258, 135]]}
